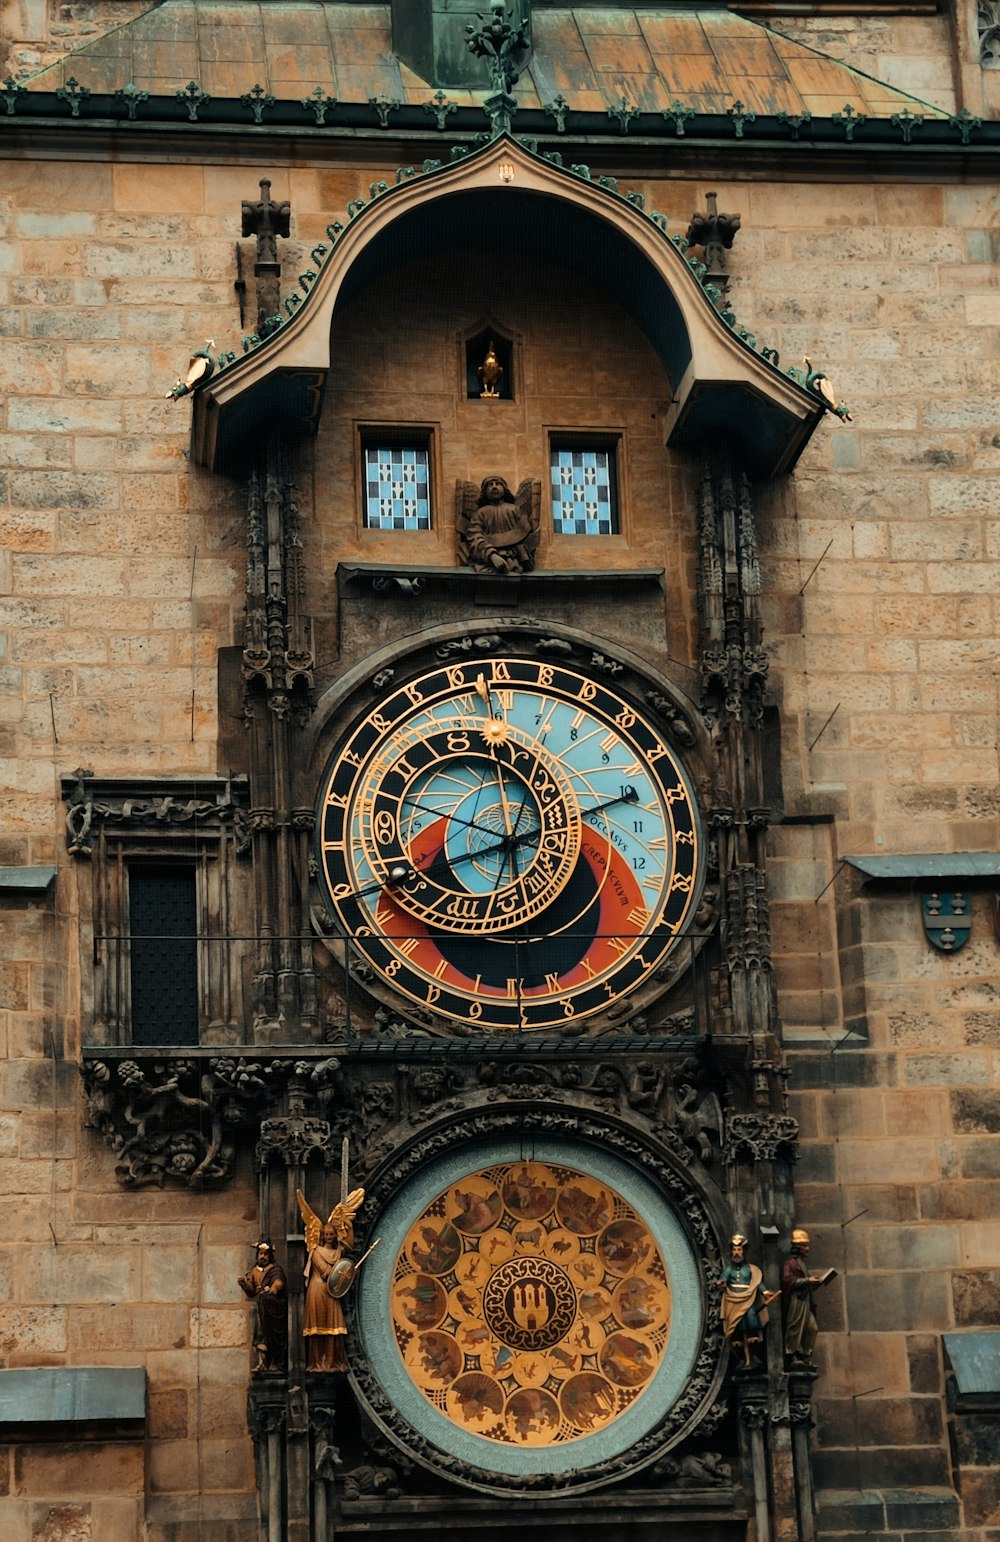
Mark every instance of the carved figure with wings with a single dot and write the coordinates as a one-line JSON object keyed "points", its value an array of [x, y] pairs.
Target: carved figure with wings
{"points": [[498, 530], [323, 1325]]}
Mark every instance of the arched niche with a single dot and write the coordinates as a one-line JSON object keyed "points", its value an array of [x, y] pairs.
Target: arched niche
{"points": [[513, 203]]}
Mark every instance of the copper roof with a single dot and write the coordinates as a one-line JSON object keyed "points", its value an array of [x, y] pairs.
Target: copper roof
{"points": [[592, 57]]}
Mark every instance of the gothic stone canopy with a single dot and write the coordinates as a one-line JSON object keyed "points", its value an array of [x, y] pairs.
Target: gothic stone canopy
{"points": [[722, 387]]}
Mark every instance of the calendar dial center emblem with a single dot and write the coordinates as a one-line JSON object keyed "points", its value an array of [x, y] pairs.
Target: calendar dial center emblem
{"points": [[508, 842]]}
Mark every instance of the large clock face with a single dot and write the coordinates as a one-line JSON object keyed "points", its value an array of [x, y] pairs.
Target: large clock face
{"points": [[509, 843]]}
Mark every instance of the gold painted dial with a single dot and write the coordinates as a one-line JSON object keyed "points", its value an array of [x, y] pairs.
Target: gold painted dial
{"points": [[509, 842], [531, 1304]]}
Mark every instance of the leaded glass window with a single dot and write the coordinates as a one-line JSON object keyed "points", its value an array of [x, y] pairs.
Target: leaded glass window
{"points": [[584, 490], [397, 487]]}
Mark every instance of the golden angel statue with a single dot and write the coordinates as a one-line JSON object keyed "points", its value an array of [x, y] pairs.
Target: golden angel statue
{"points": [[498, 530], [328, 1275]]}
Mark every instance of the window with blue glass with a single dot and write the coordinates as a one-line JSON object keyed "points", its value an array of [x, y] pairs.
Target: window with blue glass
{"points": [[397, 486], [584, 489]]}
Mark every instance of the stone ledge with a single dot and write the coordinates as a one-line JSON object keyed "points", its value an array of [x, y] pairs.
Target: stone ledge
{"points": [[868, 1511]]}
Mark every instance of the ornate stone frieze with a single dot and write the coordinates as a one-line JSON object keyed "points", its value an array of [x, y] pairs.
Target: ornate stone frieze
{"points": [[126, 805], [175, 1118], [761, 1138], [291, 1139]]}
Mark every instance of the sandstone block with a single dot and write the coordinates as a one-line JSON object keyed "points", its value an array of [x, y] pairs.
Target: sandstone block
{"points": [[72, 324], [30, 414], [217, 1328], [910, 1160], [106, 370], [70, 576], [980, 1244], [73, 1469], [915, 1247], [33, 1330], [138, 260], [167, 1416], [880, 1421], [976, 1297], [882, 1354]]}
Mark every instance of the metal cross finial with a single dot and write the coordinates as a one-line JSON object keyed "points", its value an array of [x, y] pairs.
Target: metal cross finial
{"points": [[849, 121], [10, 91], [624, 112], [740, 117], [382, 106], [319, 104], [504, 42], [678, 113], [795, 121], [440, 107], [906, 121], [132, 97], [73, 93], [193, 97], [965, 122], [257, 99], [557, 109]]}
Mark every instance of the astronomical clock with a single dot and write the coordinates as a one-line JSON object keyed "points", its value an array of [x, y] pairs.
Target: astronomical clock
{"points": [[513, 865], [511, 843]]}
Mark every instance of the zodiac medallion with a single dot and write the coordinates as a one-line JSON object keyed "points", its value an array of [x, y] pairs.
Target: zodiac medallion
{"points": [[530, 1303]]}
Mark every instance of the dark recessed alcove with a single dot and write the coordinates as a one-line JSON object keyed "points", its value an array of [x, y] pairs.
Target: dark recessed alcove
{"points": [[476, 350]]}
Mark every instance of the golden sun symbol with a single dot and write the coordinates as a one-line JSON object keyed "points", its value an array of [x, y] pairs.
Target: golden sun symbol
{"points": [[495, 731]]}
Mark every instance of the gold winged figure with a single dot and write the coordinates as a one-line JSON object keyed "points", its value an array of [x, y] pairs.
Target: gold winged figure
{"points": [[327, 1243], [497, 529]]}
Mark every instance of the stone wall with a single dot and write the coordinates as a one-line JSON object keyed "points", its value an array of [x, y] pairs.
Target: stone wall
{"points": [[35, 33], [123, 578]]}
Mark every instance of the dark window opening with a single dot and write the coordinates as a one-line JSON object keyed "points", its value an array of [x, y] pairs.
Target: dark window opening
{"points": [[163, 916]]}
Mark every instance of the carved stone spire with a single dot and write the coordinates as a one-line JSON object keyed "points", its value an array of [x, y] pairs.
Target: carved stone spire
{"points": [[267, 220]]}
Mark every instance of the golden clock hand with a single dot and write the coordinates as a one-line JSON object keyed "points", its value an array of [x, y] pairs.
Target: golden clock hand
{"points": [[508, 827], [485, 694], [402, 873]]}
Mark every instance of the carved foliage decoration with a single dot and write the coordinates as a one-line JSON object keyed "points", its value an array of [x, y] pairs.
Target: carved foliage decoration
{"points": [[175, 1119], [671, 1100], [95, 804], [761, 1138]]}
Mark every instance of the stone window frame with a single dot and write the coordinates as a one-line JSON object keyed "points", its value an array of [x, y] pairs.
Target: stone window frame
{"points": [[612, 440], [199, 823], [425, 436]]}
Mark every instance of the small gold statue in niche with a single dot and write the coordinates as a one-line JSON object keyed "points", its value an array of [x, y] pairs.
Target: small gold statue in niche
{"points": [[497, 530], [490, 374]]}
